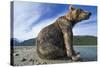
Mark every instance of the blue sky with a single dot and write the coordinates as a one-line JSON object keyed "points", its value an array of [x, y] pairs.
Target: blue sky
{"points": [[30, 18]]}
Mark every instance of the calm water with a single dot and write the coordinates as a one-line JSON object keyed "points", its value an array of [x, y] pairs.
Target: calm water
{"points": [[87, 53]]}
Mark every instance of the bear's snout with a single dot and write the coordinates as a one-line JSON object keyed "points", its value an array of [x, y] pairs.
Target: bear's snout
{"points": [[89, 14]]}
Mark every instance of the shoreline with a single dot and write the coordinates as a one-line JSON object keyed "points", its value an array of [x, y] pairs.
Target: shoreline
{"points": [[73, 45]]}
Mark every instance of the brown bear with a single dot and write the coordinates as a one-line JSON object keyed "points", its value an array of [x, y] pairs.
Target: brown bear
{"points": [[56, 40]]}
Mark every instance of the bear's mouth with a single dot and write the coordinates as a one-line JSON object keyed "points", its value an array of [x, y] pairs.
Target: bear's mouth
{"points": [[88, 16]]}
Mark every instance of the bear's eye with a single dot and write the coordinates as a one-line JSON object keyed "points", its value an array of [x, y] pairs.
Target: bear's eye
{"points": [[79, 10]]}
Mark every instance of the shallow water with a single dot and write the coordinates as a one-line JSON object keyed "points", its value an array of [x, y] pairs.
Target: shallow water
{"points": [[88, 53]]}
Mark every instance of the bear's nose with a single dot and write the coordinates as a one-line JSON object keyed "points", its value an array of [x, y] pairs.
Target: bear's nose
{"points": [[89, 14]]}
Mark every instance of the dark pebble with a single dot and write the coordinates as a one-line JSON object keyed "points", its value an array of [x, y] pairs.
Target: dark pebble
{"points": [[16, 54], [31, 60], [44, 63], [24, 59]]}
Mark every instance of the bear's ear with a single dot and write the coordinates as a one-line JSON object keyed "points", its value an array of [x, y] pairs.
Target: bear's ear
{"points": [[71, 8]]}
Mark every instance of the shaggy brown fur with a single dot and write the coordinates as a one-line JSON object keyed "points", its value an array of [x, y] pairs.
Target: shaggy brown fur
{"points": [[56, 40]]}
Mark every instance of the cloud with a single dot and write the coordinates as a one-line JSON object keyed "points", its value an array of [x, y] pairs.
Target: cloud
{"points": [[86, 29], [49, 11], [30, 18], [23, 35], [24, 15]]}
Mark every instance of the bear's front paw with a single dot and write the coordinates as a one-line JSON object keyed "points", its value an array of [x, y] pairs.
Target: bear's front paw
{"points": [[76, 58]]}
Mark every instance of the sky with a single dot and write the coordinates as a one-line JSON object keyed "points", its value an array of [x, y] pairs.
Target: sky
{"points": [[31, 17]]}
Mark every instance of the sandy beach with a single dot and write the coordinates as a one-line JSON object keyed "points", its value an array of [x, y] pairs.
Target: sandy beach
{"points": [[26, 55]]}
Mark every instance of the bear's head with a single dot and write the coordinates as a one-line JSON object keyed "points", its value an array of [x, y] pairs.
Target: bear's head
{"points": [[76, 15]]}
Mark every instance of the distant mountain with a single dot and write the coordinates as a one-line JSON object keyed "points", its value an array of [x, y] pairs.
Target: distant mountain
{"points": [[14, 42], [29, 42], [85, 40], [77, 40]]}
